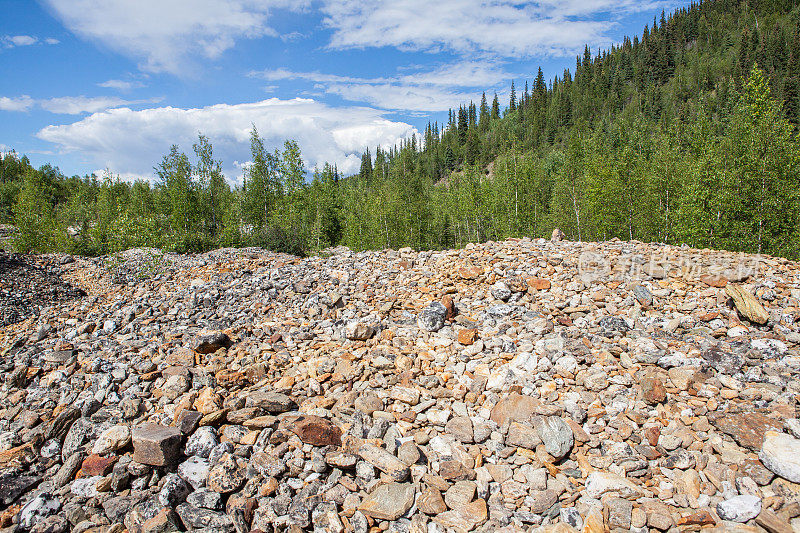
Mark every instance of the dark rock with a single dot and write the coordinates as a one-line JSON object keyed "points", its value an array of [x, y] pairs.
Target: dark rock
{"points": [[156, 445]]}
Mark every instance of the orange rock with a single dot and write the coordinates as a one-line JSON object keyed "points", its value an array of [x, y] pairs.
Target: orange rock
{"points": [[538, 284], [714, 281], [470, 272], [316, 431], [96, 465], [447, 302], [467, 336], [700, 518]]}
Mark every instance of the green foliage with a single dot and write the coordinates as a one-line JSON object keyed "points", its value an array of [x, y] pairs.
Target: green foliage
{"points": [[684, 134]]}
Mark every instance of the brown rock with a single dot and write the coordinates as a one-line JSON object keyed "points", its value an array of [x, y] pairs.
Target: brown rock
{"points": [[156, 445], [466, 518], [746, 428], [165, 521], [469, 272], [514, 407], [714, 281], [538, 284], [450, 306], [96, 465], [653, 390], [747, 304], [467, 336], [316, 431], [772, 522], [389, 501], [431, 502], [700, 518]]}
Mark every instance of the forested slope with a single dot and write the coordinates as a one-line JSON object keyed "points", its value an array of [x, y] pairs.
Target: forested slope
{"points": [[685, 134]]}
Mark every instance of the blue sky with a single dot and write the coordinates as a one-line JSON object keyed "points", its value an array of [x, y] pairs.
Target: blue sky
{"points": [[95, 84]]}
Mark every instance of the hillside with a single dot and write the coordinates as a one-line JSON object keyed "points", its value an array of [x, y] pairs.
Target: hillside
{"points": [[685, 134], [515, 386]]}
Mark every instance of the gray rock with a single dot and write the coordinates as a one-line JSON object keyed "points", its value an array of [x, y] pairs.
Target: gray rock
{"points": [[201, 442], [195, 471], [206, 499], [501, 291], [197, 518], [555, 434], [173, 491], [739, 508], [614, 323], [42, 505], [432, 317]]}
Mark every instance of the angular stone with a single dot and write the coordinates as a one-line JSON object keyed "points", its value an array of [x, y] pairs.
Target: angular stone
{"points": [[523, 435], [165, 521], [316, 431], [204, 519], [542, 500], [430, 502], [465, 519], [599, 483], [467, 336], [619, 512], [358, 331], [432, 317], [389, 501], [96, 465], [272, 402], [460, 494], [747, 304], [747, 428], [555, 434], [384, 461], [653, 390], [226, 476], [111, 440], [206, 344], [514, 407], [156, 445], [460, 427]]}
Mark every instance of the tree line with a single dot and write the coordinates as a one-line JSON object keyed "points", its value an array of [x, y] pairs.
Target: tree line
{"points": [[685, 134]]}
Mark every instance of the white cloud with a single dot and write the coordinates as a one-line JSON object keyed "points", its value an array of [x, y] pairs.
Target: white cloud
{"points": [[68, 105], [132, 142], [503, 27], [166, 36], [121, 85], [439, 89], [20, 103], [11, 41], [20, 40], [76, 105]]}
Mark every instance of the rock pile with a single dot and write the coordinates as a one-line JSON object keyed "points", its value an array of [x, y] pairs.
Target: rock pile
{"points": [[28, 283], [514, 386]]}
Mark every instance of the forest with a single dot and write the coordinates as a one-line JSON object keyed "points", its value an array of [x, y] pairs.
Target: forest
{"points": [[685, 134]]}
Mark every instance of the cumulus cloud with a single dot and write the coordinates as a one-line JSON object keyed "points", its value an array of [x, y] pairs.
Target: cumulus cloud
{"points": [[165, 36], [503, 27], [131, 142], [19, 103], [438, 89]]}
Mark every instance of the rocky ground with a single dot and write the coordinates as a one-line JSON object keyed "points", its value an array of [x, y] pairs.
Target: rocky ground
{"points": [[514, 386], [28, 283]]}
